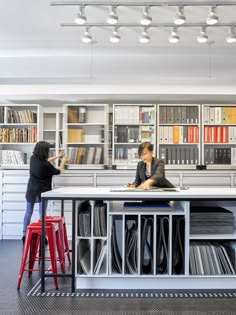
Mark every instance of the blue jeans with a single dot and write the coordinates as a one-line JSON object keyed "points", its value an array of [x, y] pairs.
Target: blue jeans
{"points": [[29, 212]]}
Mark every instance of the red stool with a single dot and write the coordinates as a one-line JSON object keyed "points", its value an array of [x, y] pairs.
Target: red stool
{"points": [[63, 233], [32, 243]]}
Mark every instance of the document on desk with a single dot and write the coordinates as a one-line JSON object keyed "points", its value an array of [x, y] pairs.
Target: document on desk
{"points": [[136, 189]]}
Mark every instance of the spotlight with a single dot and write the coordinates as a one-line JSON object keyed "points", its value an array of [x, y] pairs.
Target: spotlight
{"points": [[146, 18], [180, 17], [145, 37], [80, 18], [87, 38], [115, 37], [212, 17], [202, 37], [113, 17], [174, 37], [231, 38]]}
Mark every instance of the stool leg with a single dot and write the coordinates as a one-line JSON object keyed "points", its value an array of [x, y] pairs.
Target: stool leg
{"points": [[67, 250], [34, 243], [61, 232], [60, 251], [52, 248], [24, 257]]}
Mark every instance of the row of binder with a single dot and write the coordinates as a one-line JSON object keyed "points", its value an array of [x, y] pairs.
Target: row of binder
{"points": [[84, 219], [148, 255]]}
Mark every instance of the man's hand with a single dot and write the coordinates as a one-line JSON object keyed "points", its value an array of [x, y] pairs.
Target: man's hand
{"points": [[146, 184]]}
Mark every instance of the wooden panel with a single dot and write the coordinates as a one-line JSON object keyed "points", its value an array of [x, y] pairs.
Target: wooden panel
{"points": [[12, 230], [79, 180], [114, 180], [16, 179], [13, 196], [16, 205], [207, 180], [14, 188], [18, 216]]}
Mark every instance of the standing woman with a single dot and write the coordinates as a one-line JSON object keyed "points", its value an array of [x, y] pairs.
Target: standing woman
{"points": [[40, 180], [150, 171]]}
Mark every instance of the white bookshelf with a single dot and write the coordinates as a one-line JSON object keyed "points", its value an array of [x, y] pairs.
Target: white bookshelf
{"points": [[132, 125], [219, 136], [19, 131], [179, 135], [86, 135]]}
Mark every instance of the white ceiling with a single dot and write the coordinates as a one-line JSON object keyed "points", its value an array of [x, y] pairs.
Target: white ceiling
{"points": [[35, 49]]}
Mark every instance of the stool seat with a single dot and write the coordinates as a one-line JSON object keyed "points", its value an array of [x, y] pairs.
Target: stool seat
{"points": [[63, 233]]}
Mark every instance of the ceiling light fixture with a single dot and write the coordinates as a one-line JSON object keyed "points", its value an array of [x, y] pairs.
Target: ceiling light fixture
{"points": [[212, 17], [174, 37], [87, 38], [145, 37], [146, 17], [80, 17], [115, 37], [231, 38], [180, 17], [113, 17], [146, 20], [202, 37]]}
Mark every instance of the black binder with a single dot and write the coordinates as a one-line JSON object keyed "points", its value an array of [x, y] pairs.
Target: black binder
{"points": [[84, 219], [162, 260], [131, 242], [178, 245], [116, 256], [147, 245]]}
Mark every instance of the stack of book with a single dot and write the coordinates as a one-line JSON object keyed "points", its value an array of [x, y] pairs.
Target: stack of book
{"points": [[13, 157], [215, 220]]}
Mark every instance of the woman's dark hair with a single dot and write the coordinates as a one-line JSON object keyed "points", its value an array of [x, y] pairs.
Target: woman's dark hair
{"points": [[41, 150], [145, 145]]}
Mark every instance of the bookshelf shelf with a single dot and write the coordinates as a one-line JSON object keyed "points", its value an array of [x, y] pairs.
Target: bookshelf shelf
{"points": [[219, 135], [86, 135]]}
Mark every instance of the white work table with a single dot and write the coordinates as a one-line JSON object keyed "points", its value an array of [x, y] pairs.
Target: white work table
{"points": [[106, 193], [181, 197]]}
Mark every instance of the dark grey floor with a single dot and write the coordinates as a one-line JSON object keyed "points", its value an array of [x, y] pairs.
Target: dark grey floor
{"points": [[29, 300]]}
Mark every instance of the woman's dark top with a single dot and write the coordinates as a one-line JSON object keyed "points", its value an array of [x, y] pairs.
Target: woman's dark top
{"points": [[41, 172], [157, 174]]}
